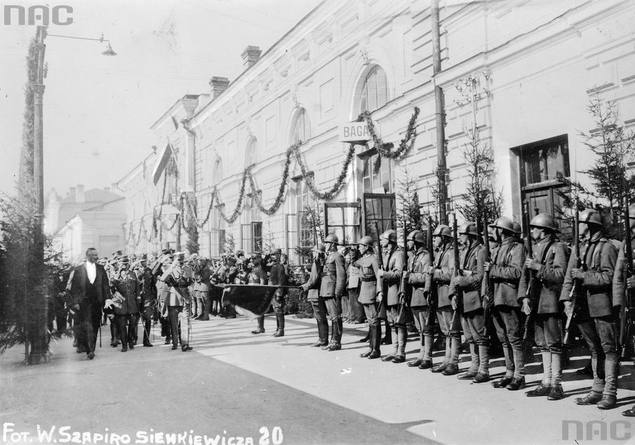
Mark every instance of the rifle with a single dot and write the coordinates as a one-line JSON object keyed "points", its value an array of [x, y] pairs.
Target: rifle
{"points": [[627, 322], [531, 285], [457, 267], [575, 288], [427, 289], [404, 298], [380, 257], [486, 291]]}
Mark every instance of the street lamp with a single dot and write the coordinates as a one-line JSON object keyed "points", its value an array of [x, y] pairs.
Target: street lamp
{"points": [[38, 337]]}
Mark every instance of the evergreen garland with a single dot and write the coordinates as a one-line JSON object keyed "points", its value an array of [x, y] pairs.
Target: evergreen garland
{"points": [[385, 149]]}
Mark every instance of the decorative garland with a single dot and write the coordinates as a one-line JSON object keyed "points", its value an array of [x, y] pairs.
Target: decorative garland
{"points": [[384, 150]]}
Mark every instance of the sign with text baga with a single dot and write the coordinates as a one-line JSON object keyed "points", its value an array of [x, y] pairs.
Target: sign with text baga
{"points": [[356, 132]]}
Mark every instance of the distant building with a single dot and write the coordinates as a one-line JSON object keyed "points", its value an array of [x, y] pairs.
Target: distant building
{"points": [[83, 219]]}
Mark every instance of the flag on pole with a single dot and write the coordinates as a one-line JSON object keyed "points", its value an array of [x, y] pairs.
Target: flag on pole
{"points": [[253, 298]]}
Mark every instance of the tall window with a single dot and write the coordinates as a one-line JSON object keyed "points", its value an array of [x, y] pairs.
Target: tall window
{"points": [[542, 163], [217, 232], [251, 237], [343, 219], [376, 178], [375, 90], [306, 219], [301, 128]]}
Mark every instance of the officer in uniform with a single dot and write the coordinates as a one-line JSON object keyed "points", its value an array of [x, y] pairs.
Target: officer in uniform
{"points": [[332, 288], [179, 277], [369, 289], [312, 289], [391, 277], [596, 308], [418, 263], [468, 284], [278, 277], [440, 273], [148, 298], [549, 265], [125, 305], [505, 271]]}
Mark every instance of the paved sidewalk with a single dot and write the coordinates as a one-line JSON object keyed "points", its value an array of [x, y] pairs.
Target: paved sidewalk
{"points": [[233, 383]]}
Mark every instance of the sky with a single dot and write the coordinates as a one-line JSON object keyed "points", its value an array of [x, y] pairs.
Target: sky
{"points": [[97, 109]]}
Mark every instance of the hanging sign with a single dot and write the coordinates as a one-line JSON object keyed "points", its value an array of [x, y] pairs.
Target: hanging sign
{"points": [[355, 132]]}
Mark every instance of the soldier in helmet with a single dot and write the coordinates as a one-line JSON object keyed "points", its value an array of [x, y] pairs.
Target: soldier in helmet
{"points": [[417, 265], [440, 275], [312, 288], [549, 264], [597, 317], [332, 288], [471, 260], [505, 271], [391, 277], [370, 288], [623, 282]]}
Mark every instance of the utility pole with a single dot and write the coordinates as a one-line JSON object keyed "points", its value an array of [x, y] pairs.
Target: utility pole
{"points": [[440, 115], [38, 337]]}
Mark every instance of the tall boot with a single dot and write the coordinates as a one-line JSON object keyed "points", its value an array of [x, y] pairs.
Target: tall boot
{"points": [[280, 322], [402, 338], [260, 329], [518, 382], [509, 368], [482, 375], [446, 359], [367, 338], [609, 398], [474, 364], [556, 392], [426, 362], [387, 340], [547, 365], [419, 358], [390, 357], [323, 334], [375, 341], [333, 323], [453, 363], [336, 344]]}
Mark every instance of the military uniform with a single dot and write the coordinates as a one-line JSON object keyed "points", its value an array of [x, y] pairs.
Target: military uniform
{"points": [[505, 274], [449, 323], [545, 290], [595, 314], [418, 263], [471, 260], [393, 268], [370, 286], [179, 278], [332, 288], [126, 308], [148, 302], [312, 289]]}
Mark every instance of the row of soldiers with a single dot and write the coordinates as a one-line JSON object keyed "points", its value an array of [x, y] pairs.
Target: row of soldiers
{"points": [[466, 285]]}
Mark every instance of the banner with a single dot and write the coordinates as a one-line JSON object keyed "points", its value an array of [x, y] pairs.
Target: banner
{"points": [[254, 298]]}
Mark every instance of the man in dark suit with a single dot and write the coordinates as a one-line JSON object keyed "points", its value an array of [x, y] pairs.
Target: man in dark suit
{"points": [[89, 290]]}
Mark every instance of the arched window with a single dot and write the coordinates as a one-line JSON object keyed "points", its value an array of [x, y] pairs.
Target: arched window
{"points": [[301, 128], [251, 152], [374, 95], [375, 90]]}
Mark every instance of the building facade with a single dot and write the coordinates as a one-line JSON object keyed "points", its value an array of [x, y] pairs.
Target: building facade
{"points": [[261, 162]]}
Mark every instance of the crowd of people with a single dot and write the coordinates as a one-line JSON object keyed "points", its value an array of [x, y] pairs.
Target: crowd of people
{"points": [[500, 292]]}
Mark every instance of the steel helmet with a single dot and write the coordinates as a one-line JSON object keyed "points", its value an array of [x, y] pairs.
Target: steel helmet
{"points": [[332, 238], [517, 229], [442, 230], [413, 234], [390, 235], [591, 216], [468, 228], [504, 223], [419, 237], [543, 221], [366, 241]]}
